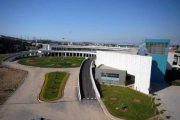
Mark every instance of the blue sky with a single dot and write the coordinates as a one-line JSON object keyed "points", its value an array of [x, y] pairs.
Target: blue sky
{"points": [[120, 21]]}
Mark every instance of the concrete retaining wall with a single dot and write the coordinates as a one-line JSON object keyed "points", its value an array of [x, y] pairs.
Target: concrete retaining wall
{"points": [[79, 89], [93, 83]]}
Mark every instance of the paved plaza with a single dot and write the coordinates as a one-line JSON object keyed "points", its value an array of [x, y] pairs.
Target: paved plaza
{"points": [[24, 104], [169, 98]]}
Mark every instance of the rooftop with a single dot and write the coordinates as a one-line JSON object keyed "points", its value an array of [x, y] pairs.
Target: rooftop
{"points": [[157, 40], [127, 50], [102, 66]]}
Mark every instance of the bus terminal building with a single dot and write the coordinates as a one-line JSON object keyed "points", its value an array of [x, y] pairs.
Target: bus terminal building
{"points": [[117, 65]]}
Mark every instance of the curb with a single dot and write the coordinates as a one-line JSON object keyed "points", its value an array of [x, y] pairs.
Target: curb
{"points": [[106, 111], [45, 83]]}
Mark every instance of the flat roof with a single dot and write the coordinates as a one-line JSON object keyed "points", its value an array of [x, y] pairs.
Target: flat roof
{"points": [[157, 40], [90, 47], [131, 50], [102, 66]]}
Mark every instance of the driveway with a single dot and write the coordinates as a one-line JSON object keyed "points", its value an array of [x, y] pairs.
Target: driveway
{"points": [[24, 104]]}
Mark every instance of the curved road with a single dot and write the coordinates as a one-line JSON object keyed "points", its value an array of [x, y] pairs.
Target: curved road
{"points": [[87, 91], [14, 56]]}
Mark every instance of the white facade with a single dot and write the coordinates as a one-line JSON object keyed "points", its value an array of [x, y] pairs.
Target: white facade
{"points": [[139, 66], [173, 60], [170, 60], [46, 47]]}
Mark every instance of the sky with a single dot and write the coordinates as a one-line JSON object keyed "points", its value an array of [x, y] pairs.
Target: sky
{"points": [[107, 21]]}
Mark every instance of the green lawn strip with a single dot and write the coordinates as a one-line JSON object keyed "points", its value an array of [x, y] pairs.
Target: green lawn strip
{"points": [[2, 57], [33, 48], [53, 87], [139, 106], [176, 82], [52, 62]]}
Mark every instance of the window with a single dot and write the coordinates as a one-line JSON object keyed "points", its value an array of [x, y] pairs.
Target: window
{"points": [[113, 75], [157, 48], [110, 78]]}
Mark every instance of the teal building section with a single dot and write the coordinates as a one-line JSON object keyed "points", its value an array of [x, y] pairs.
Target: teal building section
{"points": [[158, 49]]}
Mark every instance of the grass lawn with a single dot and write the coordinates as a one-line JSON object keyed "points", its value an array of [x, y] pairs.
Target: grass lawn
{"points": [[2, 57], [173, 77], [176, 82], [53, 86], [139, 106], [33, 48], [52, 62]]}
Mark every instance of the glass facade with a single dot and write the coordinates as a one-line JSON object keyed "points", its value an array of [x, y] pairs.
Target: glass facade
{"points": [[111, 78], [157, 48]]}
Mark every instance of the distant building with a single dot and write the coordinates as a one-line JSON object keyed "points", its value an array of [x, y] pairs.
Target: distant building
{"points": [[158, 49], [173, 59], [46, 47]]}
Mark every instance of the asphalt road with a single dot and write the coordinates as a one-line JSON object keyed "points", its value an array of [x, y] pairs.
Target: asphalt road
{"points": [[15, 56], [87, 91], [12, 57]]}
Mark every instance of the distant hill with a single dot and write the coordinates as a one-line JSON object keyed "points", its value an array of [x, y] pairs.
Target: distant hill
{"points": [[12, 45]]}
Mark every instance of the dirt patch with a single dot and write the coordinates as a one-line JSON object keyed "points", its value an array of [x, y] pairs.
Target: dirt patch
{"points": [[136, 100], [10, 79], [124, 110], [113, 99], [115, 91]]}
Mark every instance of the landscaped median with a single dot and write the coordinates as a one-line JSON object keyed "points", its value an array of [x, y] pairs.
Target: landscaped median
{"points": [[125, 103], [53, 87]]}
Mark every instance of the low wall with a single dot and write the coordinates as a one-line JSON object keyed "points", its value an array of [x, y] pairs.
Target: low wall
{"points": [[93, 83], [106, 111], [79, 89]]}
